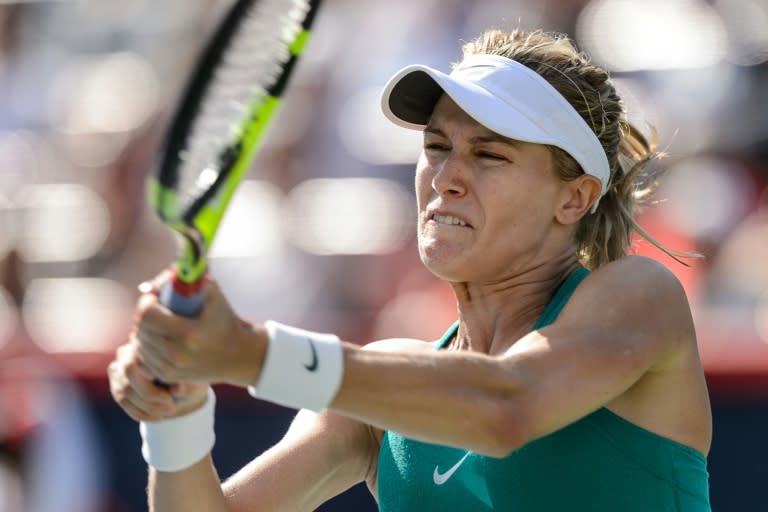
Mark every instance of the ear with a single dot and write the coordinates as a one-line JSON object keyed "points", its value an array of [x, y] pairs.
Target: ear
{"points": [[578, 197]]}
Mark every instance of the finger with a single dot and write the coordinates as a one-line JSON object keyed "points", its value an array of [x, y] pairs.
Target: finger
{"points": [[127, 380], [153, 390], [127, 399], [156, 319], [146, 388], [152, 352], [143, 395], [151, 316], [155, 284], [138, 413], [116, 370]]}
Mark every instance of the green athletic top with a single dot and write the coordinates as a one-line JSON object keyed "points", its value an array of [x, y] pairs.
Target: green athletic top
{"points": [[600, 463]]}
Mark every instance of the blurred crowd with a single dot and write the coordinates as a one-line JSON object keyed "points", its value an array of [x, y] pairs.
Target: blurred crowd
{"points": [[322, 233]]}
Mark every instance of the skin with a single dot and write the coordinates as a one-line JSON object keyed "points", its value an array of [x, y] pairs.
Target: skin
{"points": [[626, 337]]}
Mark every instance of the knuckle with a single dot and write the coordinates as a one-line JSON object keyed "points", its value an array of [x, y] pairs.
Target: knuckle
{"points": [[144, 304], [123, 353], [117, 384], [137, 414], [122, 399], [112, 369]]}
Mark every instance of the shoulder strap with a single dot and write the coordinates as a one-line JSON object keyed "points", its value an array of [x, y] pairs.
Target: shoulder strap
{"points": [[449, 334], [561, 297]]}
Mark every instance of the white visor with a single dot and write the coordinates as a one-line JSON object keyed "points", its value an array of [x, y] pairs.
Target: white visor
{"points": [[504, 96]]}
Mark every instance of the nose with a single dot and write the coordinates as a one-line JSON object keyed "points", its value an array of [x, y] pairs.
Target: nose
{"points": [[450, 176]]}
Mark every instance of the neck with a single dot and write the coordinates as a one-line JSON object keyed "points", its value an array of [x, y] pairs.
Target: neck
{"points": [[494, 315]]}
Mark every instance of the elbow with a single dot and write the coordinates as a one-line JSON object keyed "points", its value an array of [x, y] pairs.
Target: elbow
{"points": [[506, 427]]}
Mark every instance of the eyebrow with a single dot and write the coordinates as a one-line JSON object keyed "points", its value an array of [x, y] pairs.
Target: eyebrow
{"points": [[490, 137]]}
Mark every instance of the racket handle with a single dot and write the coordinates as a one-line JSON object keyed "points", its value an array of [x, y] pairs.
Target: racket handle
{"points": [[182, 298]]}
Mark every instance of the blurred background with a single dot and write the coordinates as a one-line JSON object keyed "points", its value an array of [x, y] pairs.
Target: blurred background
{"points": [[322, 236]]}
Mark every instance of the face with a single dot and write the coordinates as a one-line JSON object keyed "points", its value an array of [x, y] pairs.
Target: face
{"points": [[486, 203]]}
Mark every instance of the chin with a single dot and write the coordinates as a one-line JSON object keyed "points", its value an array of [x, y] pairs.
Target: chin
{"points": [[444, 260], [442, 269]]}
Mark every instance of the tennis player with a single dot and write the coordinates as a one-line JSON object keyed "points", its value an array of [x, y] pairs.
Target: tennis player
{"points": [[571, 379]]}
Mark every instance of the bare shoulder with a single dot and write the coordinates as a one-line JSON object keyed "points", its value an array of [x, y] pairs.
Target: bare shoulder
{"points": [[638, 296], [635, 276], [641, 303], [633, 282]]}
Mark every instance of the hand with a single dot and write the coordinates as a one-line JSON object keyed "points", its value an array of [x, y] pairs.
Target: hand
{"points": [[215, 346], [133, 388]]}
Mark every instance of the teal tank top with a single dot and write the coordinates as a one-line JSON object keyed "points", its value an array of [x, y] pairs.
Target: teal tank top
{"points": [[600, 463]]}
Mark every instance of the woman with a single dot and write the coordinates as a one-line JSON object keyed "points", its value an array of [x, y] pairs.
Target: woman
{"points": [[557, 389]]}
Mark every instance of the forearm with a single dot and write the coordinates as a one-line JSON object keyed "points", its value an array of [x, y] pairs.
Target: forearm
{"points": [[297, 474], [320, 456], [462, 399], [459, 399], [178, 451], [195, 489]]}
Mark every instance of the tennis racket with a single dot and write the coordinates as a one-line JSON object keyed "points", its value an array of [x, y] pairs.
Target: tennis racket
{"points": [[230, 100]]}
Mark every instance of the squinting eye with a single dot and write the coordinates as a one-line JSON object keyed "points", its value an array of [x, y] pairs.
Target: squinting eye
{"points": [[434, 147], [491, 156]]}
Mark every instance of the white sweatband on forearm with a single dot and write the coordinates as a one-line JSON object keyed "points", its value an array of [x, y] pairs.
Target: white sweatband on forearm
{"points": [[302, 369], [178, 443]]}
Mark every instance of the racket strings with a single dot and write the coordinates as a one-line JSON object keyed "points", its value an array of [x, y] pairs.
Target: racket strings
{"points": [[253, 61]]}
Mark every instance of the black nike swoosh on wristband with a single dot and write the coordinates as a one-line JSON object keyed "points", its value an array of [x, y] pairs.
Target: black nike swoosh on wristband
{"points": [[313, 365]]}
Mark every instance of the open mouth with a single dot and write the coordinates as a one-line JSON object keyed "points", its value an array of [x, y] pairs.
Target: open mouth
{"points": [[449, 220]]}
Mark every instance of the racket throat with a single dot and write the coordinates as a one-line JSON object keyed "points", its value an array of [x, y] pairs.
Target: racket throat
{"points": [[192, 265]]}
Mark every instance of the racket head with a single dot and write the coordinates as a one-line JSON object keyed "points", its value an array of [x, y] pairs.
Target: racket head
{"points": [[230, 99]]}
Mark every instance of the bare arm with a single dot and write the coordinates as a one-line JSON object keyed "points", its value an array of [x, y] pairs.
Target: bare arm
{"points": [[194, 489], [623, 322], [321, 456]]}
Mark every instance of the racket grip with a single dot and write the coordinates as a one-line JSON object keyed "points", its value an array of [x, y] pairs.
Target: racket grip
{"points": [[182, 298]]}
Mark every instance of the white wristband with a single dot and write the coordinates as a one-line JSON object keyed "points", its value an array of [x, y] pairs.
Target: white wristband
{"points": [[302, 369], [178, 443]]}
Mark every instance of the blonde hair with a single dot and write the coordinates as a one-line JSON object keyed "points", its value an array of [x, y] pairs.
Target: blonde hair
{"points": [[605, 235]]}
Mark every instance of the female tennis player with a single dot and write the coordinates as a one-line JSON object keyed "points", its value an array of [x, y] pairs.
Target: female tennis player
{"points": [[571, 379]]}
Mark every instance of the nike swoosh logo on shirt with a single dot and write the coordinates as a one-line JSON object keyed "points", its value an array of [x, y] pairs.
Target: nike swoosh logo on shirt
{"points": [[313, 365], [440, 479]]}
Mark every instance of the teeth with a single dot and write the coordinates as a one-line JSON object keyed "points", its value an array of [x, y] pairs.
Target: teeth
{"points": [[447, 219]]}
